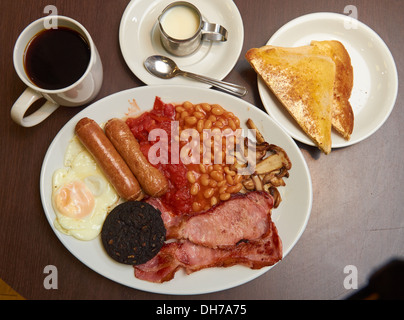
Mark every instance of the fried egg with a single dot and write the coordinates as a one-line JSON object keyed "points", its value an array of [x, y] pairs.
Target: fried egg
{"points": [[82, 196]]}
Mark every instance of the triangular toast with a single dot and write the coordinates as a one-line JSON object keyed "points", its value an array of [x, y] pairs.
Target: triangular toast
{"points": [[342, 114], [303, 82]]}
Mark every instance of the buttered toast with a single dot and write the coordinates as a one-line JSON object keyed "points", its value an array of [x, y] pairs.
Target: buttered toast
{"points": [[342, 114], [304, 83]]}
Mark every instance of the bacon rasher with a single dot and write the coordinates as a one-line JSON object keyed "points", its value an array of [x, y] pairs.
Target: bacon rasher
{"points": [[243, 217], [191, 257], [239, 231]]}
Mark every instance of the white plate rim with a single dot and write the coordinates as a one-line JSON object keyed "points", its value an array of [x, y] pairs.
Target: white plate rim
{"points": [[270, 103], [228, 55], [93, 110]]}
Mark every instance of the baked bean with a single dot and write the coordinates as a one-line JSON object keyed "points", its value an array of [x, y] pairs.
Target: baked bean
{"points": [[190, 120], [187, 105], [196, 206], [199, 115], [238, 178], [229, 172], [207, 124], [218, 124], [225, 196], [216, 175], [232, 125], [194, 189], [202, 167], [198, 108], [217, 110], [212, 118], [191, 177], [184, 114], [235, 189], [223, 190], [204, 179], [213, 201], [206, 107], [212, 183], [209, 193], [179, 109], [217, 167], [229, 179], [221, 183], [200, 125]]}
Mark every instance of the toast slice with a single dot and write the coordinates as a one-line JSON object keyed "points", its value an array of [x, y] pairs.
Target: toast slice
{"points": [[342, 114], [304, 83]]}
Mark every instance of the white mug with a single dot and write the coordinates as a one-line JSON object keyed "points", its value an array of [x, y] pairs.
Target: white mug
{"points": [[79, 93]]}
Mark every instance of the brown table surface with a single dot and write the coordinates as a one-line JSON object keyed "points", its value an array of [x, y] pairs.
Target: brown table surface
{"points": [[357, 215]]}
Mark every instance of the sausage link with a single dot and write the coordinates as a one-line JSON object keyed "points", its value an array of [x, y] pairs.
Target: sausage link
{"points": [[107, 157], [152, 181]]}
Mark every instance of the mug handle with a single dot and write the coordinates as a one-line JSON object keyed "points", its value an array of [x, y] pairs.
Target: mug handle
{"points": [[24, 102], [213, 32]]}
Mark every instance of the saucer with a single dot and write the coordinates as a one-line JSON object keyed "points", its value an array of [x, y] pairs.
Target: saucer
{"points": [[375, 74], [139, 38]]}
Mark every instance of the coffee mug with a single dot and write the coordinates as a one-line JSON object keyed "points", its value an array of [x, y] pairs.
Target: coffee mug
{"points": [[182, 29], [83, 90]]}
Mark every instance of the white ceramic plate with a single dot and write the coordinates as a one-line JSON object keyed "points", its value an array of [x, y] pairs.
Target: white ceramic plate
{"points": [[375, 74], [139, 38], [290, 217]]}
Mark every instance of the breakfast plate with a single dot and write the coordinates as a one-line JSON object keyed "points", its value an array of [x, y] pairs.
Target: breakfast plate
{"points": [[375, 74], [139, 38], [290, 217]]}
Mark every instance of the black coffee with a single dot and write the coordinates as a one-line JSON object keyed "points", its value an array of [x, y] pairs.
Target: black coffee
{"points": [[56, 58]]}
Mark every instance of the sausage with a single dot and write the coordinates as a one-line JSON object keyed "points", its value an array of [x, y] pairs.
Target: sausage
{"points": [[107, 157], [152, 181]]}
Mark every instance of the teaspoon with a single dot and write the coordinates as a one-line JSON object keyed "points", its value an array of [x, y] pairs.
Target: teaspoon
{"points": [[166, 68]]}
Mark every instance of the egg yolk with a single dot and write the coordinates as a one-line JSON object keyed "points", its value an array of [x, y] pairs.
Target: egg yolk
{"points": [[74, 200]]}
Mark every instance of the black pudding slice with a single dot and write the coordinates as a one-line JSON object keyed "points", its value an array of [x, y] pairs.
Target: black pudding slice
{"points": [[133, 232]]}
